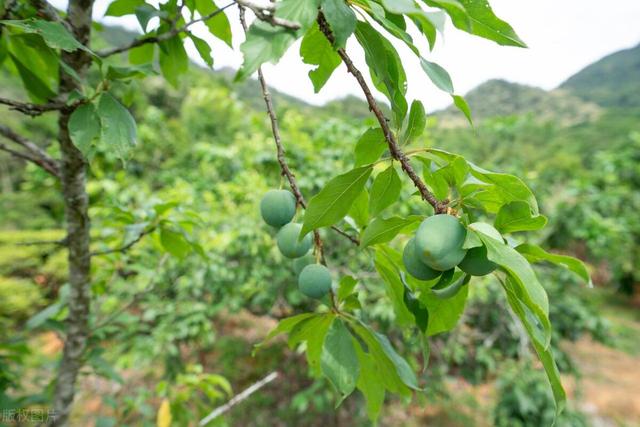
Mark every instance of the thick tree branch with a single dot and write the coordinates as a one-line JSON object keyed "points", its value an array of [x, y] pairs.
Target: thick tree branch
{"points": [[33, 154], [174, 31], [394, 148], [31, 109], [281, 155]]}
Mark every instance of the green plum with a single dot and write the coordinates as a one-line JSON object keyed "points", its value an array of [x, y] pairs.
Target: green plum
{"points": [[414, 265], [314, 281], [278, 207], [288, 242], [439, 241]]}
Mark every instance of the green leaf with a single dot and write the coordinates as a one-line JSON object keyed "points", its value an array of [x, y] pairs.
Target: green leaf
{"points": [[315, 49], [346, 286], [37, 65], [534, 253], [437, 182], [391, 369], [359, 210], [438, 75], [462, 105], [544, 353], [284, 326], [304, 12], [503, 188], [218, 25], [264, 43], [203, 49], [341, 19], [339, 360], [174, 242], [444, 314], [424, 23], [118, 127], [115, 72], [142, 54], [419, 311], [370, 146], [173, 59], [312, 331], [516, 216], [333, 202], [386, 68], [527, 288], [455, 10], [385, 190], [485, 23], [84, 128], [123, 7], [369, 383], [414, 126], [54, 34], [37, 88], [383, 230], [386, 262], [144, 13]]}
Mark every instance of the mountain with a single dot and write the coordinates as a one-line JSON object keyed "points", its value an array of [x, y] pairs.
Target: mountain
{"points": [[613, 81], [499, 98]]}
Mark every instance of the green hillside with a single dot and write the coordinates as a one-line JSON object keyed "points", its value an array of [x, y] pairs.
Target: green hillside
{"points": [[613, 81]]}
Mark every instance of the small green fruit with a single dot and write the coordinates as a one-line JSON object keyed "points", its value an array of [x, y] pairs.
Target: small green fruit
{"points": [[476, 262], [302, 262], [414, 265], [278, 207], [288, 243], [314, 281], [439, 241]]}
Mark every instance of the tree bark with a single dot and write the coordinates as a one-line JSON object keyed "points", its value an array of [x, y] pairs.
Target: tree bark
{"points": [[76, 201]]}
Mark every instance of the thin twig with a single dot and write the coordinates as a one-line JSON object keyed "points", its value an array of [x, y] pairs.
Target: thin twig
{"points": [[266, 12], [61, 242], [394, 148], [126, 247], [281, 154], [34, 153], [31, 109], [174, 31], [238, 398]]}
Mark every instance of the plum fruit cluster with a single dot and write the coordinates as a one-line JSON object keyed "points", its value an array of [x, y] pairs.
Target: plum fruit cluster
{"points": [[278, 207], [438, 247]]}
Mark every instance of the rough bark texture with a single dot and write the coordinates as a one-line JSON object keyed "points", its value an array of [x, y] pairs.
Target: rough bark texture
{"points": [[73, 177]]}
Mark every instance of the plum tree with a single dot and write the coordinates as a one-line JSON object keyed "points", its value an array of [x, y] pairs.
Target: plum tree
{"points": [[414, 264], [288, 242], [302, 262], [475, 261], [314, 281], [278, 207], [439, 242]]}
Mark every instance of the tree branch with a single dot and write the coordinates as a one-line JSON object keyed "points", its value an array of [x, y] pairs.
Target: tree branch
{"points": [[34, 153], [266, 12], [394, 148], [31, 109], [282, 160], [174, 31]]}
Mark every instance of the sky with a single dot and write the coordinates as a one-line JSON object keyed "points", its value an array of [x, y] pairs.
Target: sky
{"points": [[563, 37]]}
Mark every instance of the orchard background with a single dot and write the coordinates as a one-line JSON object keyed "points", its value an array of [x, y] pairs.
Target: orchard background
{"points": [[139, 284]]}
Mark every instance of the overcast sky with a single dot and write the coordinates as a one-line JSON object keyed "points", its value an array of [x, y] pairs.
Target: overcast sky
{"points": [[563, 36]]}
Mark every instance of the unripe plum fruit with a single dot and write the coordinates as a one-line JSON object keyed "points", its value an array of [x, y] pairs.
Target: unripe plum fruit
{"points": [[439, 241], [476, 262], [278, 207], [288, 243], [314, 281], [414, 264]]}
